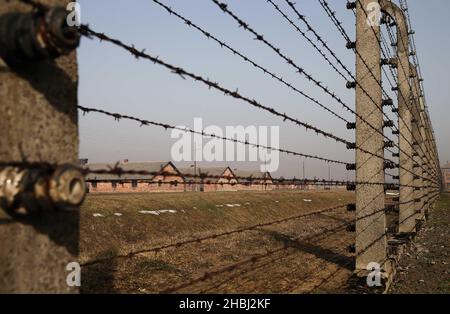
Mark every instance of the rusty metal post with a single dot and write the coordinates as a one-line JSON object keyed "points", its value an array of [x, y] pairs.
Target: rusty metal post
{"points": [[371, 243], [407, 221], [38, 123]]}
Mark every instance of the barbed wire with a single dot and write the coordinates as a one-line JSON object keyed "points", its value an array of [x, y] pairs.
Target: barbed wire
{"points": [[222, 44], [325, 45], [252, 260], [175, 69], [304, 35], [404, 5], [338, 24], [333, 17], [224, 8], [231, 267], [301, 71], [252, 183], [292, 245], [214, 236], [86, 31], [412, 86], [117, 170], [403, 97], [372, 243], [143, 122], [400, 93], [231, 232]]}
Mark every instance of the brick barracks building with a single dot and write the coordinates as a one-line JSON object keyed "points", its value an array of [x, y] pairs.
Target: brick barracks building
{"points": [[446, 176], [168, 178]]}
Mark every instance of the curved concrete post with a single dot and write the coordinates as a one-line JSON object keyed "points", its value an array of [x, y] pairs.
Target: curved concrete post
{"points": [[418, 133], [407, 222], [371, 242]]}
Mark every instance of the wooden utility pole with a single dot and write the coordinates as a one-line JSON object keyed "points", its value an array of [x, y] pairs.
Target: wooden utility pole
{"points": [[38, 123]]}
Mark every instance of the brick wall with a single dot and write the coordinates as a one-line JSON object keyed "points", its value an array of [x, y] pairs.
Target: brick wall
{"points": [[107, 187]]}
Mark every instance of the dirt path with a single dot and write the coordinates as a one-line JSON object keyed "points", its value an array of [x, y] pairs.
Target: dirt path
{"points": [[425, 266]]}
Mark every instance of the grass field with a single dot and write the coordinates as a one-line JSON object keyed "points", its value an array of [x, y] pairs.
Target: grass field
{"points": [[112, 224], [119, 232]]}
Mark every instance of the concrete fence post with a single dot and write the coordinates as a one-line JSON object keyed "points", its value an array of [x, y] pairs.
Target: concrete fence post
{"points": [[38, 123], [371, 243], [419, 159], [407, 222]]}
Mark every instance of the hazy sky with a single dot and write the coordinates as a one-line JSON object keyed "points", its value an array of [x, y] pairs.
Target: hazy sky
{"points": [[112, 79]]}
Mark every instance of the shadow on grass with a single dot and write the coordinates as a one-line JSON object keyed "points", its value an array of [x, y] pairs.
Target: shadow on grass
{"points": [[100, 278], [307, 247]]}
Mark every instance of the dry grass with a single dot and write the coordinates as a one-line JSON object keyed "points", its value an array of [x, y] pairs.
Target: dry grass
{"points": [[132, 230], [301, 267], [424, 269]]}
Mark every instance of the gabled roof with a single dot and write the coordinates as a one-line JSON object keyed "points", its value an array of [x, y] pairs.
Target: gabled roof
{"points": [[138, 166], [255, 174], [210, 171]]}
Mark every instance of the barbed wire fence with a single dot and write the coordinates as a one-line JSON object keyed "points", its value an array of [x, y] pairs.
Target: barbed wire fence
{"points": [[418, 179]]}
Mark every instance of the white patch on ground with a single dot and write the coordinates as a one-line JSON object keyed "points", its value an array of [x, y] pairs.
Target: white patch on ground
{"points": [[391, 193], [247, 203], [170, 211], [277, 201], [306, 200], [158, 212], [118, 214], [97, 215], [149, 212], [219, 205]]}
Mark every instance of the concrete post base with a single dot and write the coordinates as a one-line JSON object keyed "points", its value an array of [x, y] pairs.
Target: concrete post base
{"points": [[358, 281]]}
